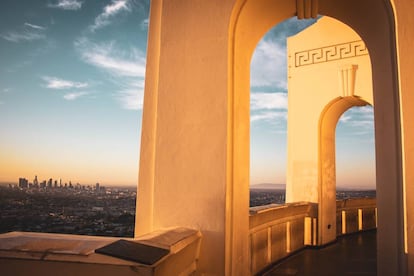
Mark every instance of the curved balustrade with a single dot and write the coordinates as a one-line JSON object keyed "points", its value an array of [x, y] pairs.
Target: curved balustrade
{"points": [[277, 231]]}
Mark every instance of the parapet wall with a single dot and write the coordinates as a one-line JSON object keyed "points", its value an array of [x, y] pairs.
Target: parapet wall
{"points": [[278, 231], [42, 254]]}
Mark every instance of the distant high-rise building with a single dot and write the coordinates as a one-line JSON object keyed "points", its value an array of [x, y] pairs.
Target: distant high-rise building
{"points": [[36, 182], [97, 187], [23, 183]]}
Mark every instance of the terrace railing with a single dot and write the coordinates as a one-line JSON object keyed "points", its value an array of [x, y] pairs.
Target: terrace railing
{"points": [[277, 231]]}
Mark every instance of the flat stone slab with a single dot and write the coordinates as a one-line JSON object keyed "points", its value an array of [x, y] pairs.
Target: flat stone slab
{"points": [[134, 251], [49, 243]]}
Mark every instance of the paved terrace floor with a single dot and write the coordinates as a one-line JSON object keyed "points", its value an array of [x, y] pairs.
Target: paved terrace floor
{"points": [[351, 255]]}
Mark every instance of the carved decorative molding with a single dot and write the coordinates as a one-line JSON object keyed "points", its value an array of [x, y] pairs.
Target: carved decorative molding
{"points": [[347, 76], [306, 9], [330, 53]]}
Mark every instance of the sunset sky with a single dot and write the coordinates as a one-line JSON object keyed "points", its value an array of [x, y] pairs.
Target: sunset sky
{"points": [[71, 92]]}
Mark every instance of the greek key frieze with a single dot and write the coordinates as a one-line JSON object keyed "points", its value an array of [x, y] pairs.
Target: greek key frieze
{"points": [[331, 53]]}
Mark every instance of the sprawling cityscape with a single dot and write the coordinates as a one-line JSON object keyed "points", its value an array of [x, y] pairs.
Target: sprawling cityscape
{"points": [[52, 206], [57, 207]]}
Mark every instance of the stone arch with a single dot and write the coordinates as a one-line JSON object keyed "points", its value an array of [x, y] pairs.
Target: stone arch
{"points": [[190, 154], [250, 20], [327, 62], [327, 164]]}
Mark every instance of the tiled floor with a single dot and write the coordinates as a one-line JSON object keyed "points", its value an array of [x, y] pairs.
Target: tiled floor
{"points": [[351, 255]]}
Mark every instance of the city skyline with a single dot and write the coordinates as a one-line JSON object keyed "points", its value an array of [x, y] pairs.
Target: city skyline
{"points": [[49, 183], [71, 95]]}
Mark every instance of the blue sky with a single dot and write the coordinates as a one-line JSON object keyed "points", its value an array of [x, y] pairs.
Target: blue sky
{"points": [[71, 92], [71, 89]]}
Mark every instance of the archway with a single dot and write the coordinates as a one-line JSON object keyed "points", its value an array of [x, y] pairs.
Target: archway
{"points": [[355, 152], [182, 87], [329, 65], [268, 112], [327, 168], [250, 20]]}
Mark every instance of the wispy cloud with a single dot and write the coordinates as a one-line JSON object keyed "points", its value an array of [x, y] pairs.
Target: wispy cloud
{"points": [[33, 26], [259, 100], [356, 124], [109, 11], [115, 7], [74, 95], [359, 117], [269, 116], [126, 68], [27, 32], [18, 37], [364, 111], [132, 97], [345, 118], [62, 84], [269, 107], [57, 83], [66, 5], [268, 65], [105, 56], [362, 123]]}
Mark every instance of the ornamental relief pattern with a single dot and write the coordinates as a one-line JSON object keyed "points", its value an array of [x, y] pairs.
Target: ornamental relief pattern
{"points": [[331, 53]]}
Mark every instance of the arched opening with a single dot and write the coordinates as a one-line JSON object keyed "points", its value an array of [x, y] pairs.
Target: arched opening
{"points": [[355, 171], [268, 113], [327, 165], [327, 62], [251, 19], [355, 153]]}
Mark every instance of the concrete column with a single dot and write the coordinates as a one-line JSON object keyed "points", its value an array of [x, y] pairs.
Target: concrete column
{"points": [[183, 165], [380, 38], [405, 31]]}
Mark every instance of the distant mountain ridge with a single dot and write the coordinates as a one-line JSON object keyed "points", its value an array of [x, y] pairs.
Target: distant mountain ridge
{"points": [[272, 186], [268, 186], [356, 188]]}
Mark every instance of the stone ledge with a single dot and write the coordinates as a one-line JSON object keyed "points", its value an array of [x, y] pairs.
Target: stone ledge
{"points": [[23, 253]]}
